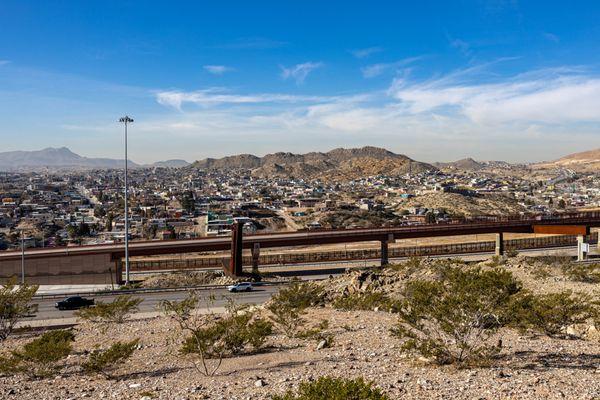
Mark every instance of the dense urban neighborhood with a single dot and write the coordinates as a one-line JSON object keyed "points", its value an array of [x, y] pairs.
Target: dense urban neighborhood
{"points": [[72, 206]]}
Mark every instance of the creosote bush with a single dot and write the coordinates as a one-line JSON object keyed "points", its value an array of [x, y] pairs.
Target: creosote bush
{"points": [[14, 305], [105, 361], [587, 273], [291, 302], [552, 313], [451, 320], [211, 337], [40, 357], [327, 388], [367, 301], [115, 312]]}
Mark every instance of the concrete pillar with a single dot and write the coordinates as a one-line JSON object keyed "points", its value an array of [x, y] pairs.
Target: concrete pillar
{"points": [[499, 244], [385, 250], [255, 257], [235, 263], [582, 248], [384, 253]]}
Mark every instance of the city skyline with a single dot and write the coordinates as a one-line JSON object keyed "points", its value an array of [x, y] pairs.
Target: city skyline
{"points": [[488, 80]]}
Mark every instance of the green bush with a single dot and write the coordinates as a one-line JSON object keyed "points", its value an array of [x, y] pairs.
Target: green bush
{"points": [[115, 312], [326, 388], [105, 361], [39, 357], [290, 303], [452, 319], [14, 305], [552, 313], [366, 301], [212, 337], [587, 273]]}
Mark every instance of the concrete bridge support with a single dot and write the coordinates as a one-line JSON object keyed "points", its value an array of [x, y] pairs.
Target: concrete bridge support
{"points": [[499, 244], [385, 260], [582, 248]]}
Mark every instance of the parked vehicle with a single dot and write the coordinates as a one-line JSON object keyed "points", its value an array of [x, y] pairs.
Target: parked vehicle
{"points": [[74, 303], [240, 287]]}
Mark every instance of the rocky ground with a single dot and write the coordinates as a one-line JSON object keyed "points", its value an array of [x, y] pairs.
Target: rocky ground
{"points": [[530, 367]]}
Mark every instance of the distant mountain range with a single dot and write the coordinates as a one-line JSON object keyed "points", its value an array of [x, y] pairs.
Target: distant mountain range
{"points": [[63, 158], [466, 164], [337, 164]]}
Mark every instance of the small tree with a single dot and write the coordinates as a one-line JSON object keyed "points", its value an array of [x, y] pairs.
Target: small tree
{"points": [[115, 312], [105, 361], [39, 358], [326, 388], [14, 305], [451, 320]]}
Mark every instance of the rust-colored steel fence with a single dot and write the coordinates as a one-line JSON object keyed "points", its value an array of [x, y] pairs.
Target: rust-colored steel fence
{"points": [[366, 254]]}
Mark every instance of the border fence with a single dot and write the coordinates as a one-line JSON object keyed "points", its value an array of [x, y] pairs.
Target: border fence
{"points": [[297, 257]]}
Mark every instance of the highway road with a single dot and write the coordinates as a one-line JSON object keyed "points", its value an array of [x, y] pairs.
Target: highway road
{"points": [[260, 294]]}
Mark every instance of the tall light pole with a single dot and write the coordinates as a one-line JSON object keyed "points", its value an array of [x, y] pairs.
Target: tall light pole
{"points": [[126, 120], [22, 257]]}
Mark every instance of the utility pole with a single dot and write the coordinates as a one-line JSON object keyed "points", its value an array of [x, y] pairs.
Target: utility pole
{"points": [[126, 120]]}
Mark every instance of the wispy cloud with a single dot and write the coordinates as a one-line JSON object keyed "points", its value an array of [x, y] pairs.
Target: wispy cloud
{"points": [[374, 70], [256, 43], [462, 46], [217, 69], [4, 62], [299, 72], [551, 96], [220, 96], [551, 37], [366, 52]]}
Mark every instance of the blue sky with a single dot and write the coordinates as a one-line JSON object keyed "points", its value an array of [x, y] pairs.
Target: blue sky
{"points": [[435, 80]]}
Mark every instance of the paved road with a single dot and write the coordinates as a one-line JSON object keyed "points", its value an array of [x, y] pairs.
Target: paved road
{"points": [[46, 309]]}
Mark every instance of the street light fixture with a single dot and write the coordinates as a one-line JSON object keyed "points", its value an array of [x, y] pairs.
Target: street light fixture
{"points": [[126, 120]]}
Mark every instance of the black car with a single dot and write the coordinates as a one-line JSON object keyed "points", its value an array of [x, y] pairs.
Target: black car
{"points": [[74, 303]]}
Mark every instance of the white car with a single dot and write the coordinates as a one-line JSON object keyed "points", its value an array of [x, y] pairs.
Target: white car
{"points": [[240, 287]]}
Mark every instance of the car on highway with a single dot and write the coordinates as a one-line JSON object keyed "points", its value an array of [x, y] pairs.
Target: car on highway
{"points": [[240, 287], [74, 303]]}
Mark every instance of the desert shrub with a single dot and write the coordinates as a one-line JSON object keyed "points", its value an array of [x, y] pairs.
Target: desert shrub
{"points": [[327, 388], [115, 312], [496, 261], [105, 361], [318, 333], [39, 358], [210, 338], [588, 273], [512, 253], [552, 313], [452, 319], [367, 301], [557, 260], [14, 305], [291, 302]]}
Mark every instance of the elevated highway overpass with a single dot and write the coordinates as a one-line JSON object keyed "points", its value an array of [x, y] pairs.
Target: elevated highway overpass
{"points": [[102, 263]]}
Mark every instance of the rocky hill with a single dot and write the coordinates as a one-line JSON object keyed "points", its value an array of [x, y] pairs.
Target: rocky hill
{"points": [[340, 164], [466, 164], [584, 161]]}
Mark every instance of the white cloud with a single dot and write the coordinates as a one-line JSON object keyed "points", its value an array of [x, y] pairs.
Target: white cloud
{"points": [[219, 96], [218, 69], [371, 71], [546, 96], [366, 52], [299, 72], [4, 62]]}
